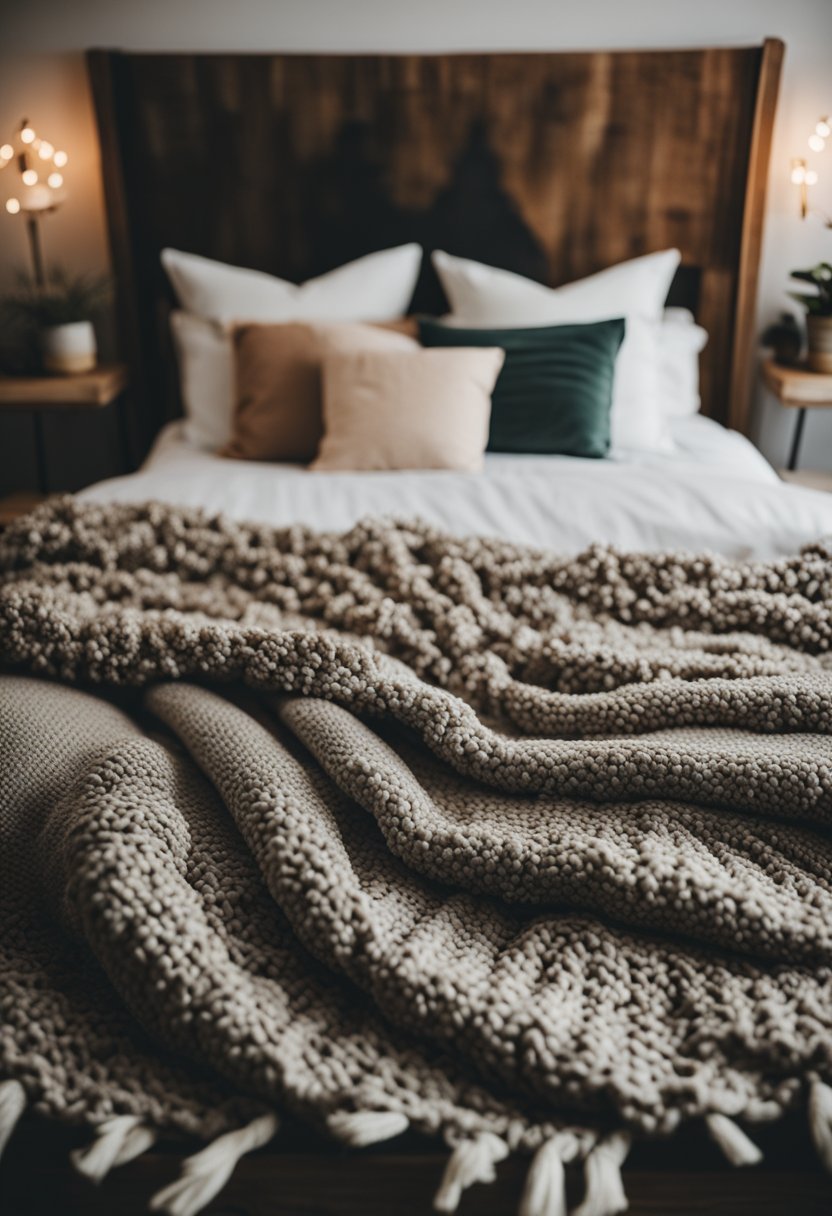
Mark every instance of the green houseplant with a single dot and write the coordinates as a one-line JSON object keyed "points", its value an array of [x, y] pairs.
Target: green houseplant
{"points": [[818, 305], [57, 319]]}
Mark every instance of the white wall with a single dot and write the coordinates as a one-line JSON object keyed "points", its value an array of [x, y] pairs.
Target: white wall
{"points": [[42, 75]]}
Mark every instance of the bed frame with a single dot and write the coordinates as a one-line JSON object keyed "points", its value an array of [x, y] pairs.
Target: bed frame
{"points": [[551, 165]]}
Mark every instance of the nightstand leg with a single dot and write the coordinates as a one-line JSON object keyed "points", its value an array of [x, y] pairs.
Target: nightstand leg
{"points": [[798, 435], [40, 453], [124, 434]]}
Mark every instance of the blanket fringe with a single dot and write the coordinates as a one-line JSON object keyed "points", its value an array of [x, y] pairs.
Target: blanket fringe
{"points": [[545, 1190], [730, 1137], [820, 1119], [605, 1195], [471, 1161], [12, 1106], [205, 1174], [364, 1127], [116, 1141]]}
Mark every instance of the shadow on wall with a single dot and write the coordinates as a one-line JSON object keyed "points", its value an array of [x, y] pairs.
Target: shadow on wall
{"points": [[350, 183]]}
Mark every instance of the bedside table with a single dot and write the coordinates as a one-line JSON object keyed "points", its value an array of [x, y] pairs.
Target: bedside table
{"points": [[94, 390], [797, 388], [14, 505], [812, 479]]}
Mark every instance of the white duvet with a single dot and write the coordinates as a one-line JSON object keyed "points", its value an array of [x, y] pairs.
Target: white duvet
{"points": [[716, 493]]}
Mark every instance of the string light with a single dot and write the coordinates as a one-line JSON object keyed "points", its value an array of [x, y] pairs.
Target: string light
{"points": [[816, 142], [30, 162], [36, 160], [823, 128]]}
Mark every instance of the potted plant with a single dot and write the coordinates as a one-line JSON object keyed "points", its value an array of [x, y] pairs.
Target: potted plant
{"points": [[818, 305], [60, 314]]}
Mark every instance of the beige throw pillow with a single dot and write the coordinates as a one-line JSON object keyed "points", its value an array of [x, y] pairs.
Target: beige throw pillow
{"points": [[277, 412], [422, 409]]}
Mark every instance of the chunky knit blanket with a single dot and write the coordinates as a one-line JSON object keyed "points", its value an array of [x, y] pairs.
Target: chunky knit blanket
{"points": [[389, 829]]}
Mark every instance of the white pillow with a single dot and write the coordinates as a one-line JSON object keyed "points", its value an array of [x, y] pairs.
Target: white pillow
{"points": [[377, 287], [485, 297], [205, 356], [216, 296], [680, 342]]}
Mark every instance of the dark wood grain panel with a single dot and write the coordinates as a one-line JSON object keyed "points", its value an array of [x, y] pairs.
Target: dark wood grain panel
{"points": [[551, 165]]}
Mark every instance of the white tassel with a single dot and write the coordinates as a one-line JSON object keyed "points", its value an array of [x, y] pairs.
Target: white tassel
{"points": [[471, 1161], [363, 1127], [205, 1174], [117, 1141], [545, 1191], [12, 1106], [820, 1119], [730, 1137], [604, 1194]]}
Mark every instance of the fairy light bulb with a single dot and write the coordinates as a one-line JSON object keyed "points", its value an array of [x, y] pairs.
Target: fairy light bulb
{"points": [[817, 143], [36, 163], [811, 178], [823, 128], [798, 175]]}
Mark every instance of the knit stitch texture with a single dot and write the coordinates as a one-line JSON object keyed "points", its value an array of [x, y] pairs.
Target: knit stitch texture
{"points": [[390, 821]]}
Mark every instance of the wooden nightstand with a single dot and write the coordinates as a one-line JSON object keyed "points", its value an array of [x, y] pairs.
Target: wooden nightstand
{"points": [[14, 505], [797, 388], [93, 390], [812, 479]]}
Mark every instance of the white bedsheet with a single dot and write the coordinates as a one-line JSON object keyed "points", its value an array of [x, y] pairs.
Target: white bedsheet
{"points": [[716, 492]]}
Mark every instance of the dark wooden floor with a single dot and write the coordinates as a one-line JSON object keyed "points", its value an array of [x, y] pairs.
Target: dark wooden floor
{"points": [[302, 1176]]}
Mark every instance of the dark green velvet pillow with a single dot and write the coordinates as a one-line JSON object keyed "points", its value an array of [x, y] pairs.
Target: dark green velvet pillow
{"points": [[554, 393]]}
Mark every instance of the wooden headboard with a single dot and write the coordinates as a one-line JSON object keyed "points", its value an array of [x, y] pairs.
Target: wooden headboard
{"points": [[551, 165]]}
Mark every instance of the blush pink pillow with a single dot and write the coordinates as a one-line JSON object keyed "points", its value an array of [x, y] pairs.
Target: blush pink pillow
{"points": [[421, 409]]}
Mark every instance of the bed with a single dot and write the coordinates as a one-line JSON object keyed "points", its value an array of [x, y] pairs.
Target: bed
{"points": [[714, 492], [568, 163]]}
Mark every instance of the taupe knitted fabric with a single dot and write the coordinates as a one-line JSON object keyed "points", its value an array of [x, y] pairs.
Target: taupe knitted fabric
{"points": [[497, 841]]}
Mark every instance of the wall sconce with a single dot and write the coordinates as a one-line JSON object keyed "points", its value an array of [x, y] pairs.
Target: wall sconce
{"points": [[803, 176], [38, 188]]}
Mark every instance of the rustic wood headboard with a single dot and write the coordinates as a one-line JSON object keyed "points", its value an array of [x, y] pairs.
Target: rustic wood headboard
{"points": [[552, 165]]}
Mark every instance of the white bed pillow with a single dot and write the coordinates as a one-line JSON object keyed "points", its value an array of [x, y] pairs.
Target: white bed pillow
{"points": [[483, 296], [680, 343], [377, 287], [205, 356], [215, 297]]}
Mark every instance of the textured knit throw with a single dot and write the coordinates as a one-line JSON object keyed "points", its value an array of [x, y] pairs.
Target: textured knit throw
{"points": [[390, 829]]}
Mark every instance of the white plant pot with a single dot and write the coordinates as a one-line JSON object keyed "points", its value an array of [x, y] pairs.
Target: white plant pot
{"points": [[68, 348]]}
